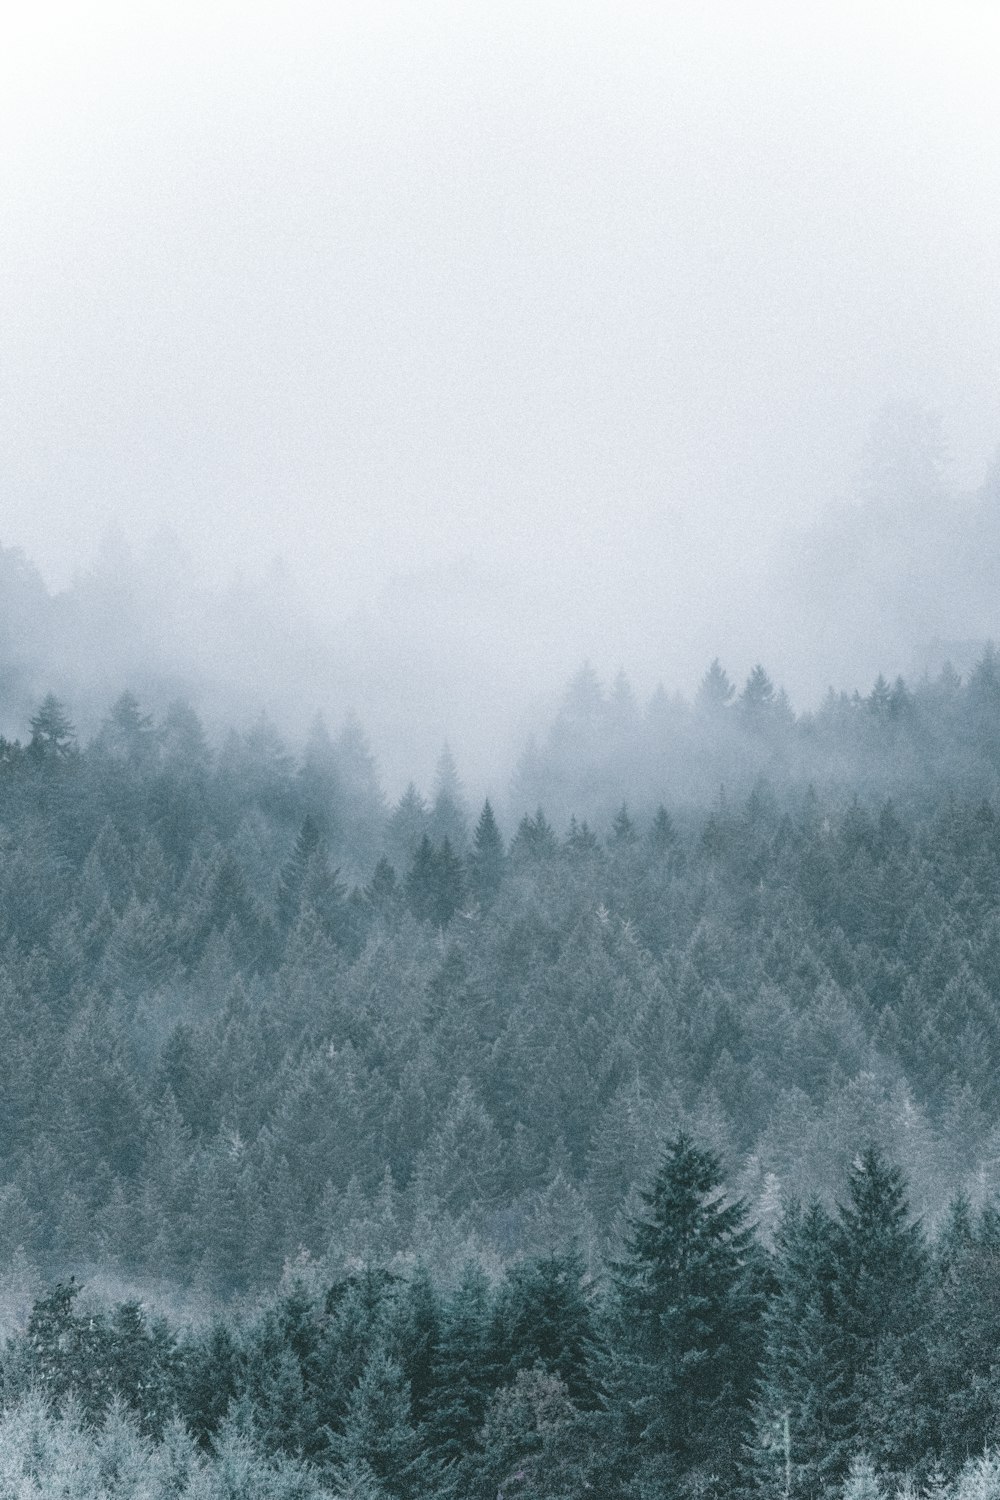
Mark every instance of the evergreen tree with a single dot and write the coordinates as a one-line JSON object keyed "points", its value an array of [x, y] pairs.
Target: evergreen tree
{"points": [[435, 884], [536, 1445], [662, 834], [449, 885], [623, 833], [378, 1436], [534, 842], [307, 843], [757, 699], [382, 891], [407, 825], [448, 818], [53, 737], [689, 1311], [802, 1438], [416, 1336], [467, 1375], [881, 1271], [545, 1317], [319, 780], [486, 859], [716, 691], [127, 734], [421, 882]]}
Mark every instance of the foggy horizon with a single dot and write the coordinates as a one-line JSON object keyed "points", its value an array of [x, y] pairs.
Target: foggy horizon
{"points": [[563, 328]]}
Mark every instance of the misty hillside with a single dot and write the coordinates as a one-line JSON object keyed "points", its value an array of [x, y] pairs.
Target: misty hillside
{"points": [[898, 579], [499, 751], [356, 1093]]}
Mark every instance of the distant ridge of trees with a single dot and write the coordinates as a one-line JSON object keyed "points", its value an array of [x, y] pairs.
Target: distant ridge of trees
{"points": [[604, 745]]}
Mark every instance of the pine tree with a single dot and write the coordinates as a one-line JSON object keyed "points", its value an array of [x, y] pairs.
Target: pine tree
{"points": [[449, 885], [416, 1337], [545, 1317], [466, 1371], [53, 736], [486, 859], [536, 1445], [293, 872], [757, 699], [319, 780], [127, 734], [421, 882], [689, 1316], [407, 825], [663, 834], [435, 885], [382, 891], [378, 1435], [448, 818], [881, 1266], [623, 833], [534, 842], [802, 1442], [715, 691]]}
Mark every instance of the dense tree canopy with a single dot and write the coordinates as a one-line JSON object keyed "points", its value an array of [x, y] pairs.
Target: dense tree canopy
{"points": [[631, 1134]]}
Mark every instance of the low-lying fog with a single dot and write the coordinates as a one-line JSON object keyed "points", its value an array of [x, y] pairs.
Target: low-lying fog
{"points": [[403, 357]]}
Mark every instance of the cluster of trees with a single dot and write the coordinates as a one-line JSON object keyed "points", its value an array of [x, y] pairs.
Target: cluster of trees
{"points": [[259, 1028], [898, 740], [220, 1048], [853, 1354]]}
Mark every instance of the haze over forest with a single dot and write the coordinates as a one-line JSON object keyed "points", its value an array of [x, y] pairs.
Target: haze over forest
{"points": [[500, 750], [417, 355]]}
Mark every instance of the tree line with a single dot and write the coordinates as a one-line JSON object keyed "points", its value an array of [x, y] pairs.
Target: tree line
{"points": [[853, 1355]]}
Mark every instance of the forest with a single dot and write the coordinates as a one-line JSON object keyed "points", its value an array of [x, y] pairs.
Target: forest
{"points": [[632, 1134]]}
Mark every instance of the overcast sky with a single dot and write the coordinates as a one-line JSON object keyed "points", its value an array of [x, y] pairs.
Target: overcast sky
{"points": [[606, 292]]}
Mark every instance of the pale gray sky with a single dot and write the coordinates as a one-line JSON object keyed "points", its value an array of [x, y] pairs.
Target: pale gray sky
{"points": [[606, 293]]}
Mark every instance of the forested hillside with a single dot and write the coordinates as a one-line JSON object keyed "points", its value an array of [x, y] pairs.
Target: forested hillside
{"points": [[400, 1115]]}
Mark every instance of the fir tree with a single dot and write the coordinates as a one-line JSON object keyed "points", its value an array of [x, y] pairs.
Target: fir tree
{"points": [[378, 1435], [421, 882], [53, 736], [448, 818], [545, 1317], [663, 834], [881, 1266], [623, 833], [293, 872], [486, 859], [716, 691], [689, 1321], [466, 1371], [802, 1441]]}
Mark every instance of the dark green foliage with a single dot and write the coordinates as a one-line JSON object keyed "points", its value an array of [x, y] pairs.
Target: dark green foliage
{"points": [[210, 1379], [803, 1437], [623, 829], [416, 1337], [880, 1286], [467, 1373], [378, 1437], [545, 1317], [435, 885], [663, 834], [690, 1310], [536, 1445]]}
